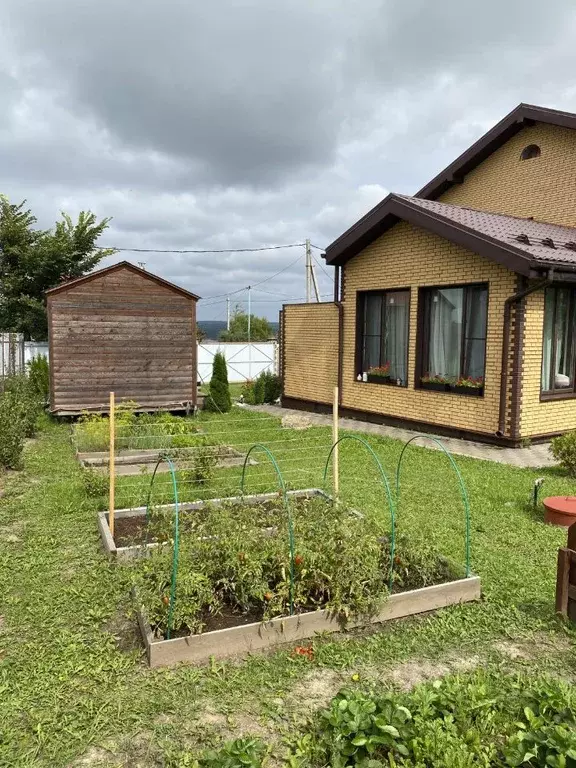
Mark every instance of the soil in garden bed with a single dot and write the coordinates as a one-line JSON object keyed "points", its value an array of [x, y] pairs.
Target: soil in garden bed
{"points": [[131, 531], [226, 619]]}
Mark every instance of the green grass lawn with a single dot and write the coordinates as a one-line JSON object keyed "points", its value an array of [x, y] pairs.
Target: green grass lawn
{"points": [[74, 686]]}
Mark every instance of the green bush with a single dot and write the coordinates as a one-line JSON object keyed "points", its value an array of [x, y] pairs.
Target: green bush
{"points": [[272, 386], [563, 449], [267, 388], [39, 377], [259, 391], [20, 407], [12, 433], [96, 484], [219, 399]]}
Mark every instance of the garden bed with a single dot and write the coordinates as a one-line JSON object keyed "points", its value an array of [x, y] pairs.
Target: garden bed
{"points": [[241, 640], [241, 587], [130, 539], [134, 462]]}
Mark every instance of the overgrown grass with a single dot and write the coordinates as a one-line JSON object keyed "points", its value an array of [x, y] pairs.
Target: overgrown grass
{"points": [[72, 676]]}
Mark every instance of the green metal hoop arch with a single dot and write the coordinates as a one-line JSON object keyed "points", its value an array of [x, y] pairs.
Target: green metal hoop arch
{"points": [[259, 446], [463, 491], [386, 485], [176, 548]]}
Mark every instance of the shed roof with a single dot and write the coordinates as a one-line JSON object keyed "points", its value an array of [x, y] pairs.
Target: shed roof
{"points": [[116, 267], [522, 245]]}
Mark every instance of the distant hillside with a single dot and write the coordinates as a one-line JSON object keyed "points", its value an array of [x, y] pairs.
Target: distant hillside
{"points": [[212, 328]]}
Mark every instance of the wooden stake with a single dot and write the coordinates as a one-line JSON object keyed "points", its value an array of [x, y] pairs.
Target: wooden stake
{"points": [[335, 469], [111, 464]]}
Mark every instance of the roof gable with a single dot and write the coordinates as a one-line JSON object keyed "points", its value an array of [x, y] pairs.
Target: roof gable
{"points": [[521, 116], [115, 268]]}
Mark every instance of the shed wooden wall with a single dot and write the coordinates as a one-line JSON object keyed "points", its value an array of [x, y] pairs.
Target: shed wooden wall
{"points": [[121, 332]]}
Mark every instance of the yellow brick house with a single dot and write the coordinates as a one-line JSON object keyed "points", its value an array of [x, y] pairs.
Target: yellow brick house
{"points": [[455, 310]]}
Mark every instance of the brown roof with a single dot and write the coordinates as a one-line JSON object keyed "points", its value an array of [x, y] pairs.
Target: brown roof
{"points": [[521, 116], [522, 245], [114, 268]]}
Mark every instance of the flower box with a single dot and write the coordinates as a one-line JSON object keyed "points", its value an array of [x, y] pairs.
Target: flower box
{"points": [[468, 391], [373, 378], [436, 386]]}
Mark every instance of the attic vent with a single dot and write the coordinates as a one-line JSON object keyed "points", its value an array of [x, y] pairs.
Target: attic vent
{"points": [[529, 152], [548, 242], [523, 239], [570, 245]]}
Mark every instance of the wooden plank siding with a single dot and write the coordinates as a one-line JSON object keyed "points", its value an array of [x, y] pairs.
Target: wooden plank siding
{"points": [[121, 331]]}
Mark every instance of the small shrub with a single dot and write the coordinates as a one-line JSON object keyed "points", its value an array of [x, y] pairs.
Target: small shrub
{"points": [[267, 388], [12, 433], [96, 484], [563, 449], [25, 404], [219, 399], [247, 393], [272, 386], [259, 391], [39, 377]]}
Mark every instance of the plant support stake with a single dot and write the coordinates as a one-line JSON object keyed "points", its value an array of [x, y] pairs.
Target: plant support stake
{"points": [[335, 469], [111, 465]]}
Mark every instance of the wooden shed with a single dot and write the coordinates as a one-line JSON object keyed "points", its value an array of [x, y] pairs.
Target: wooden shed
{"points": [[124, 330]]}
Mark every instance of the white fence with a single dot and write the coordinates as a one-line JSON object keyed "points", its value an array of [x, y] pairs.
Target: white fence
{"points": [[15, 352], [244, 361]]}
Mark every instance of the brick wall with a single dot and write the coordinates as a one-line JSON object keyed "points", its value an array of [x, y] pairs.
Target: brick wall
{"points": [[547, 417], [544, 187], [410, 257], [310, 351]]}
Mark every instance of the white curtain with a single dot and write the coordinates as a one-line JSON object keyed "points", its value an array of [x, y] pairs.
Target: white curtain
{"points": [[445, 335], [396, 334]]}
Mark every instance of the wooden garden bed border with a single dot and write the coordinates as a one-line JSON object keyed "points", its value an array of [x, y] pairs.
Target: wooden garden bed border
{"points": [[242, 640]]}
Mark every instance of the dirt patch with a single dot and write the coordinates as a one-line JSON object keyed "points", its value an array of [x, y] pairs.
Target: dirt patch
{"points": [[316, 690], [408, 674], [93, 758], [125, 632]]}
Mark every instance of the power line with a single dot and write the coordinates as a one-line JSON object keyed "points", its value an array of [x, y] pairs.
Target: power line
{"points": [[220, 250], [330, 277], [260, 282], [317, 247]]}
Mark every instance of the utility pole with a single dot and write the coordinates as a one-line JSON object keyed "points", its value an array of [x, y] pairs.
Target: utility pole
{"points": [[308, 270], [314, 282], [228, 313]]}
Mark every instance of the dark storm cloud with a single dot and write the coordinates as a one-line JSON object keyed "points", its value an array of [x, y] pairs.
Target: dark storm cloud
{"points": [[231, 124]]}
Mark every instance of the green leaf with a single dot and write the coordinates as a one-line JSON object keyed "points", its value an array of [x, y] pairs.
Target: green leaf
{"points": [[390, 729], [359, 741]]}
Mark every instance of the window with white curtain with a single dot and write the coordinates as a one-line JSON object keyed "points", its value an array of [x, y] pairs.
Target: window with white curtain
{"points": [[558, 342], [454, 337], [383, 336]]}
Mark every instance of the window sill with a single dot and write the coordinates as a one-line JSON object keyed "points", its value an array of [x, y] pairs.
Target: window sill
{"points": [[382, 380], [546, 396], [453, 389]]}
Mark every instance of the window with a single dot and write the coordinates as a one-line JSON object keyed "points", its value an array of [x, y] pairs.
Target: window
{"points": [[529, 152], [558, 345], [454, 339], [383, 337]]}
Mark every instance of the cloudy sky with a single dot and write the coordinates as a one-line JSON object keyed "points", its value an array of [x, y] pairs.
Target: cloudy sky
{"points": [[246, 123]]}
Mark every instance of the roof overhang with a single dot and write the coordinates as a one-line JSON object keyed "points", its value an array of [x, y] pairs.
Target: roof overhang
{"points": [[394, 209]]}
